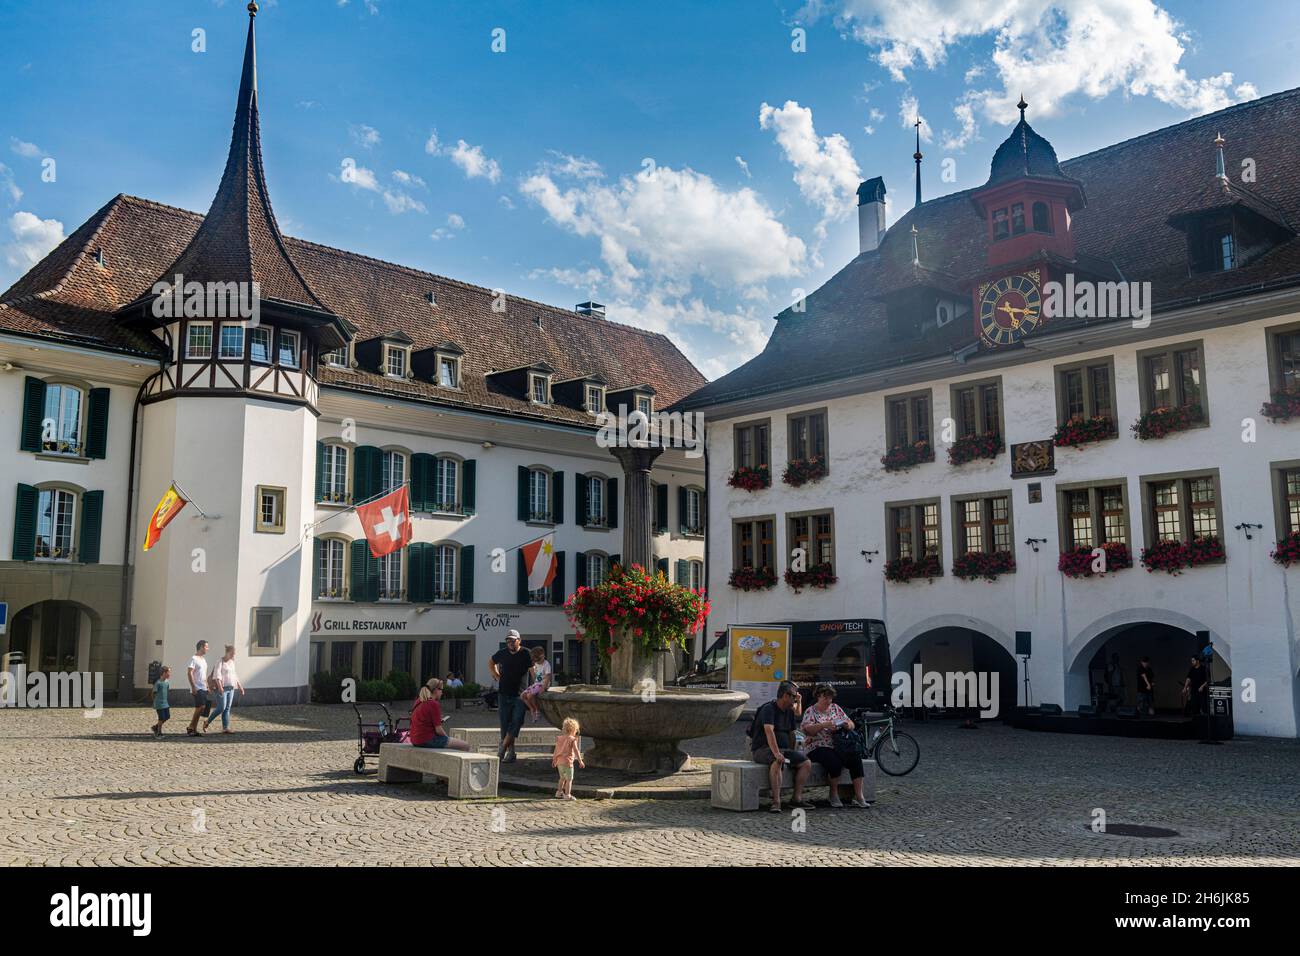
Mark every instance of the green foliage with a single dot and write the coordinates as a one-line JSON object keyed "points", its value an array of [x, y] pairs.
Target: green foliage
{"points": [[404, 687]]}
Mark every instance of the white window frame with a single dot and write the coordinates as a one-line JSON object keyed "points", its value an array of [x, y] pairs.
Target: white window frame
{"points": [[279, 497], [446, 587], [454, 362], [333, 495], [695, 573], [535, 379], [539, 493], [597, 568], [694, 501], [596, 517], [222, 352], [598, 405], [398, 352], [193, 350], [389, 455], [261, 335], [648, 401], [392, 576], [57, 495], [442, 465], [328, 569], [288, 335], [64, 443], [335, 358]]}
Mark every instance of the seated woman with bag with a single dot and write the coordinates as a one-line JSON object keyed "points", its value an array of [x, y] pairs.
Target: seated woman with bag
{"points": [[822, 723]]}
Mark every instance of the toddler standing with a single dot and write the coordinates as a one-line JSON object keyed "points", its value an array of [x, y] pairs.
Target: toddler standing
{"points": [[567, 750]]}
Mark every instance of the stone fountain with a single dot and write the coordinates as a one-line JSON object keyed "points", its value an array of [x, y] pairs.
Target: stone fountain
{"points": [[635, 722]]}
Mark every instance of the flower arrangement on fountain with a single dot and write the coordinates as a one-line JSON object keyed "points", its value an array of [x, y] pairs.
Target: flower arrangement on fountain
{"points": [[983, 564], [1077, 563], [751, 478], [1082, 431], [902, 570], [800, 471], [1172, 556], [1287, 551], [969, 447], [905, 456], [1284, 406], [1160, 422], [631, 602]]}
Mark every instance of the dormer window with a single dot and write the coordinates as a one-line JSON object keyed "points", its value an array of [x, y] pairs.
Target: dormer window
{"points": [[1001, 225], [290, 344], [595, 399], [336, 359], [394, 361], [645, 405], [448, 371], [1017, 219], [539, 388]]}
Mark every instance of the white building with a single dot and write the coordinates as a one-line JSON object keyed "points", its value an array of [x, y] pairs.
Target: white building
{"points": [[938, 337], [355, 376]]}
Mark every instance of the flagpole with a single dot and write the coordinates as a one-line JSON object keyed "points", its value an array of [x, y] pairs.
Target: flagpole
{"points": [[186, 495], [352, 507]]}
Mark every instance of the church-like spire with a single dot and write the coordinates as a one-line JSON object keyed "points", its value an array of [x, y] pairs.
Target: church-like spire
{"points": [[239, 240], [917, 157]]}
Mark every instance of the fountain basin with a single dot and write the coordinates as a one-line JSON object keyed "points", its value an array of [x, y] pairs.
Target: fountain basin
{"points": [[639, 733]]}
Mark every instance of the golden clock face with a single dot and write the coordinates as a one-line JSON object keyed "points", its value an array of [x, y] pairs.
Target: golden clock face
{"points": [[1010, 308]]}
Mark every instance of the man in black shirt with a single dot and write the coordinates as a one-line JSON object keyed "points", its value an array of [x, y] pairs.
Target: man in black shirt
{"points": [[773, 743], [509, 667], [1196, 688], [1146, 685]]}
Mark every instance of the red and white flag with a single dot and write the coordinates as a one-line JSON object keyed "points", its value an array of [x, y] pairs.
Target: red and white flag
{"points": [[386, 522], [539, 562]]}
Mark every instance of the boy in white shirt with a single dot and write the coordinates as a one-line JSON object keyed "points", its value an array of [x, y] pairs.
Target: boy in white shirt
{"points": [[197, 672]]}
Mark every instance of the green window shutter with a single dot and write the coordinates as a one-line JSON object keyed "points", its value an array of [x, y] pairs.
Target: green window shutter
{"points": [[661, 508], [523, 493], [316, 546], [320, 470], [467, 574], [558, 593], [557, 497], [580, 567], [661, 567], [611, 501], [580, 500], [367, 473], [418, 572], [33, 415], [681, 509], [521, 594], [97, 423], [360, 572], [25, 523], [468, 482], [683, 572], [421, 467], [704, 509], [92, 520]]}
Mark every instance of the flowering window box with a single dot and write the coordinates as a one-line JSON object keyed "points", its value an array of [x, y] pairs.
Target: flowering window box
{"points": [[980, 564], [902, 570], [1284, 406], [969, 447], [1160, 422], [818, 576], [1082, 431], [1078, 562], [1173, 556], [901, 457], [751, 479], [1288, 550], [752, 579], [801, 471]]}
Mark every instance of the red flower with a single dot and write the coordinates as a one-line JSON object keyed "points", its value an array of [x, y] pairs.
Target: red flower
{"points": [[800, 471], [970, 447], [751, 478]]}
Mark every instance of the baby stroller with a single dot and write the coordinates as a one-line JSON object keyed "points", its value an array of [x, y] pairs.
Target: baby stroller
{"points": [[370, 734]]}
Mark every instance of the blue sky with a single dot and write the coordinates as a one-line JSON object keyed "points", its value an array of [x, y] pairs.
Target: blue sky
{"points": [[681, 162]]}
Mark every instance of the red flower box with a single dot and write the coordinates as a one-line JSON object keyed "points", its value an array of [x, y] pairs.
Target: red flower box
{"points": [[905, 456], [1160, 422], [751, 479], [1172, 556], [978, 564], [902, 570], [1284, 406], [800, 471], [1078, 562], [970, 447], [1288, 550], [1081, 431], [818, 576], [752, 579]]}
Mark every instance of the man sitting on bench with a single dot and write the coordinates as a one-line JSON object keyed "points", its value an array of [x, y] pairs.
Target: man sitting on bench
{"points": [[772, 743]]}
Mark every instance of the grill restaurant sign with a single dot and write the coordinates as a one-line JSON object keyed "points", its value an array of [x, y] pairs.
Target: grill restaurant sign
{"points": [[486, 621]]}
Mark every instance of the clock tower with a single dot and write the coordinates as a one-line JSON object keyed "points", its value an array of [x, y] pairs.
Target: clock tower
{"points": [[1026, 207]]}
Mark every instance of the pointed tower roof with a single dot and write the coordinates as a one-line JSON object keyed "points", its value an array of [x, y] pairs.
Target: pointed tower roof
{"points": [[239, 240], [1024, 153]]}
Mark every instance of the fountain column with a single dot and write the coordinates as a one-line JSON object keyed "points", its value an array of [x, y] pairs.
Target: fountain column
{"points": [[631, 665]]}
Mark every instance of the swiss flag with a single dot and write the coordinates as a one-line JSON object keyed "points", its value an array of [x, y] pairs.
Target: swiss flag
{"points": [[386, 522]]}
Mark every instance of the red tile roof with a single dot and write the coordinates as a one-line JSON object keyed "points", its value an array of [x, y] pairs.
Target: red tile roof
{"points": [[1132, 189]]}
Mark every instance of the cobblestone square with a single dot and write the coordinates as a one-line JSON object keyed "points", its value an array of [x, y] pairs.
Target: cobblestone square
{"points": [[281, 792]]}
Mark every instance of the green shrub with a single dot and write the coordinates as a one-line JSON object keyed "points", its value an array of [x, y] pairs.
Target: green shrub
{"points": [[403, 685], [327, 686], [376, 690]]}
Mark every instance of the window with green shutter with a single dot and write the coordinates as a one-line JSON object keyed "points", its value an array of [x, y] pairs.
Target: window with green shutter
{"points": [[368, 473], [25, 524], [365, 572], [467, 574], [97, 423], [580, 570], [611, 502], [421, 481], [661, 509], [419, 569], [469, 478], [92, 519]]}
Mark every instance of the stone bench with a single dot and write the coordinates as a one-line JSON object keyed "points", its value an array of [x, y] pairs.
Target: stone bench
{"points": [[467, 774], [487, 739], [738, 784]]}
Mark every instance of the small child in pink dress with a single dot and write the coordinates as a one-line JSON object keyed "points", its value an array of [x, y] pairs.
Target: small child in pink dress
{"points": [[567, 749]]}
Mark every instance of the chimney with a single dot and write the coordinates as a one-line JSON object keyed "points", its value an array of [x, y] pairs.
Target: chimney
{"points": [[871, 214], [593, 310]]}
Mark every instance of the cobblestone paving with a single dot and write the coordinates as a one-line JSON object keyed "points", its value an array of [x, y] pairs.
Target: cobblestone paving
{"points": [[281, 792]]}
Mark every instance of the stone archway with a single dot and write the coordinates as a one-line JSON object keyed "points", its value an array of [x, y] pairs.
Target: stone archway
{"points": [[954, 643], [53, 635]]}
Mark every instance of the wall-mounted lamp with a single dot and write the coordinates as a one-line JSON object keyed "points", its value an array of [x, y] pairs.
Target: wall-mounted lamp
{"points": [[869, 555], [1246, 526], [1035, 542]]}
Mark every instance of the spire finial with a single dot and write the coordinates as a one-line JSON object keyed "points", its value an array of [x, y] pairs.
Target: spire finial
{"points": [[916, 252], [917, 157], [1220, 169], [252, 9], [1022, 106]]}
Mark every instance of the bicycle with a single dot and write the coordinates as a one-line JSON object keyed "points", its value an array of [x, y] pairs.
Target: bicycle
{"points": [[895, 752]]}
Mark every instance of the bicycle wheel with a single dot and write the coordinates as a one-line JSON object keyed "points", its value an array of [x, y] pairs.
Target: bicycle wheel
{"points": [[899, 757]]}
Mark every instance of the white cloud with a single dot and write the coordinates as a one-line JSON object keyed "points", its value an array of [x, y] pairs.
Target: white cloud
{"points": [[506, 201], [365, 136], [1051, 50], [8, 185], [824, 167], [695, 327], [586, 280], [572, 167], [33, 239], [744, 167], [408, 179], [909, 111], [23, 149], [669, 226], [362, 178], [455, 220], [471, 159], [399, 202]]}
